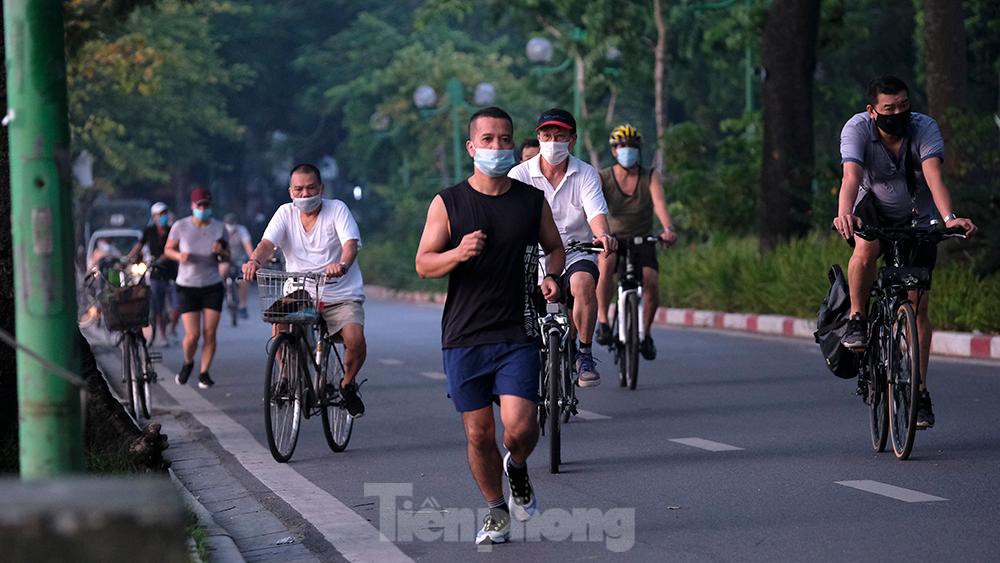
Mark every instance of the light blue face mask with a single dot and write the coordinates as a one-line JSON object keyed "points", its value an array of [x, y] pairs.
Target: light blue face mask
{"points": [[627, 156], [202, 214], [494, 163], [163, 220]]}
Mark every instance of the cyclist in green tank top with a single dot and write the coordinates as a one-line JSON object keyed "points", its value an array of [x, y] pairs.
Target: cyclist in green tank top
{"points": [[634, 194]]}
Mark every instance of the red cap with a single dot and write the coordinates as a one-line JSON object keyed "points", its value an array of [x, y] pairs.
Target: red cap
{"points": [[200, 195]]}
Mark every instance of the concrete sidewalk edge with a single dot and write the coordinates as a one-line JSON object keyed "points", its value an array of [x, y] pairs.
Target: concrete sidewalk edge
{"points": [[220, 545], [944, 343]]}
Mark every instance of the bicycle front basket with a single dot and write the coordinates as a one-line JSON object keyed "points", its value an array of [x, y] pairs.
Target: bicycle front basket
{"points": [[290, 297], [126, 307]]}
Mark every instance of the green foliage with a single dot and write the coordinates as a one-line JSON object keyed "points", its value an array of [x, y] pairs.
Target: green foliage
{"points": [[149, 96]]}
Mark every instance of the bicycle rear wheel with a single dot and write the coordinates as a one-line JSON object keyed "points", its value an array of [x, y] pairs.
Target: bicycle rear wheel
{"points": [[569, 386], [337, 423], [554, 379], [632, 339], [904, 379], [129, 361], [283, 396]]}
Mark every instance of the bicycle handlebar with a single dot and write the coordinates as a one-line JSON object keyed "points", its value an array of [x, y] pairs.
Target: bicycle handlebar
{"points": [[588, 248], [934, 233]]}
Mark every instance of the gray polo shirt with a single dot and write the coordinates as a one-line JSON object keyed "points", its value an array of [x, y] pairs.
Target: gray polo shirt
{"points": [[884, 173]]}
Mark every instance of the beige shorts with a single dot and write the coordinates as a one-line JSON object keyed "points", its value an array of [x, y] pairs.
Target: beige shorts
{"points": [[339, 315]]}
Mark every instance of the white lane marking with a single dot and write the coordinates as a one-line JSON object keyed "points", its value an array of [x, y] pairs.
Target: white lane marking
{"points": [[350, 534], [591, 415], [435, 375], [390, 362], [705, 444], [891, 491]]}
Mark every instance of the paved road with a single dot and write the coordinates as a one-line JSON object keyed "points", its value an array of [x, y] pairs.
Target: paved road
{"points": [[734, 447]]}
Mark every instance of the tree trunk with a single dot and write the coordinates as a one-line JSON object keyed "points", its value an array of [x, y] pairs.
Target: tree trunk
{"points": [[788, 54], [8, 359], [581, 84], [660, 86], [945, 59]]}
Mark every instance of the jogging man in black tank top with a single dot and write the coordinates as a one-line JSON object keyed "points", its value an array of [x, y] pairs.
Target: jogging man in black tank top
{"points": [[484, 234]]}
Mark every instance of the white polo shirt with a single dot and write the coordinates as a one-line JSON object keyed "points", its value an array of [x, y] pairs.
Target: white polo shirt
{"points": [[574, 202]]}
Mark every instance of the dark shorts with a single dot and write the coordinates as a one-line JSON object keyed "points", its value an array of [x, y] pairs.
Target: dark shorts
{"points": [[477, 374], [193, 299], [924, 256], [579, 266], [645, 257]]}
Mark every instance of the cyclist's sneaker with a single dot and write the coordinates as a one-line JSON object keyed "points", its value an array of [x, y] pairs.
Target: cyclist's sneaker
{"points": [[586, 370], [204, 381], [647, 348], [854, 337], [522, 502], [496, 527], [182, 376], [352, 400], [925, 414], [243, 313], [603, 334]]}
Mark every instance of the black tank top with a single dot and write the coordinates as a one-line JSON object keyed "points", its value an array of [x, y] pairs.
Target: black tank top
{"points": [[489, 296]]}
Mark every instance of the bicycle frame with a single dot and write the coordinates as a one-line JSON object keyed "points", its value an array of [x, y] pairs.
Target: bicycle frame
{"points": [[556, 320], [628, 282]]}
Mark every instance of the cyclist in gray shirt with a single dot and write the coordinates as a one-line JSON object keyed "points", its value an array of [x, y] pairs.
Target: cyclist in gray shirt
{"points": [[877, 146]]}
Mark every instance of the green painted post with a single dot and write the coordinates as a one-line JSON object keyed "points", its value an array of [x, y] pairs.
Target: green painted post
{"points": [[51, 438], [456, 102]]}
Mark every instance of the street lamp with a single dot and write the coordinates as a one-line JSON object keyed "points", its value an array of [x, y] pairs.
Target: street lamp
{"points": [[425, 98], [539, 50]]}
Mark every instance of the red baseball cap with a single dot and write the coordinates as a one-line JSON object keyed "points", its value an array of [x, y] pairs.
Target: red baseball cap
{"points": [[200, 195]]}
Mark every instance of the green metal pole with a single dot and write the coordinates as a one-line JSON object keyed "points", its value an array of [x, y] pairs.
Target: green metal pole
{"points": [[51, 438], [456, 102]]}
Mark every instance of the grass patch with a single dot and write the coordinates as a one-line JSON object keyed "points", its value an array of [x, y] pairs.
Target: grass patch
{"points": [[732, 275], [197, 533]]}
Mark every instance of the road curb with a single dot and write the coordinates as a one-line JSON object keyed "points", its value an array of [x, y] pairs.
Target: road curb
{"points": [[954, 344]]}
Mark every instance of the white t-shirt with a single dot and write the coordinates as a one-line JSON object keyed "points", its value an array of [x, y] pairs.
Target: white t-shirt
{"points": [[201, 269], [323, 245], [574, 202], [238, 234]]}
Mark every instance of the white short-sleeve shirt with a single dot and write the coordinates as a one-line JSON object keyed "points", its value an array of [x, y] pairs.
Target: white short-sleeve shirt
{"points": [[313, 251], [574, 202]]}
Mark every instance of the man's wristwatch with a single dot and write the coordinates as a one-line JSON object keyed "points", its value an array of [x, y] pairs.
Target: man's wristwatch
{"points": [[950, 216]]}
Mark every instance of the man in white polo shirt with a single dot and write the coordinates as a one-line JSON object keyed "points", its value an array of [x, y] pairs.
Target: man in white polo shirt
{"points": [[320, 235], [573, 190]]}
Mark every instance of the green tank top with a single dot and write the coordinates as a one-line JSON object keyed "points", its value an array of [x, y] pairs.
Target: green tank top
{"points": [[628, 215]]}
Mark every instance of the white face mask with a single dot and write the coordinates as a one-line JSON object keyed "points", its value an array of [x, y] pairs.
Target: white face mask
{"points": [[554, 152], [307, 204]]}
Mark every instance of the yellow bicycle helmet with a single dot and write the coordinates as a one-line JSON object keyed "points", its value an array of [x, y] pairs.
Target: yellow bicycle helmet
{"points": [[625, 135]]}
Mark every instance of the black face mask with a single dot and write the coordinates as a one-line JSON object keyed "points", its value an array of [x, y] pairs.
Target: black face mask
{"points": [[896, 124]]}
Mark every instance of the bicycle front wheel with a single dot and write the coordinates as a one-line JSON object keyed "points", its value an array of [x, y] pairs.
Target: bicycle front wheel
{"points": [[283, 396], [140, 387], [337, 423], [632, 339], [904, 379], [619, 349], [554, 379], [233, 300], [129, 365]]}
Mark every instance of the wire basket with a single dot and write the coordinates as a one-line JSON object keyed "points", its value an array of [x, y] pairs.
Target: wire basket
{"points": [[125, 308], [290, 297]]}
